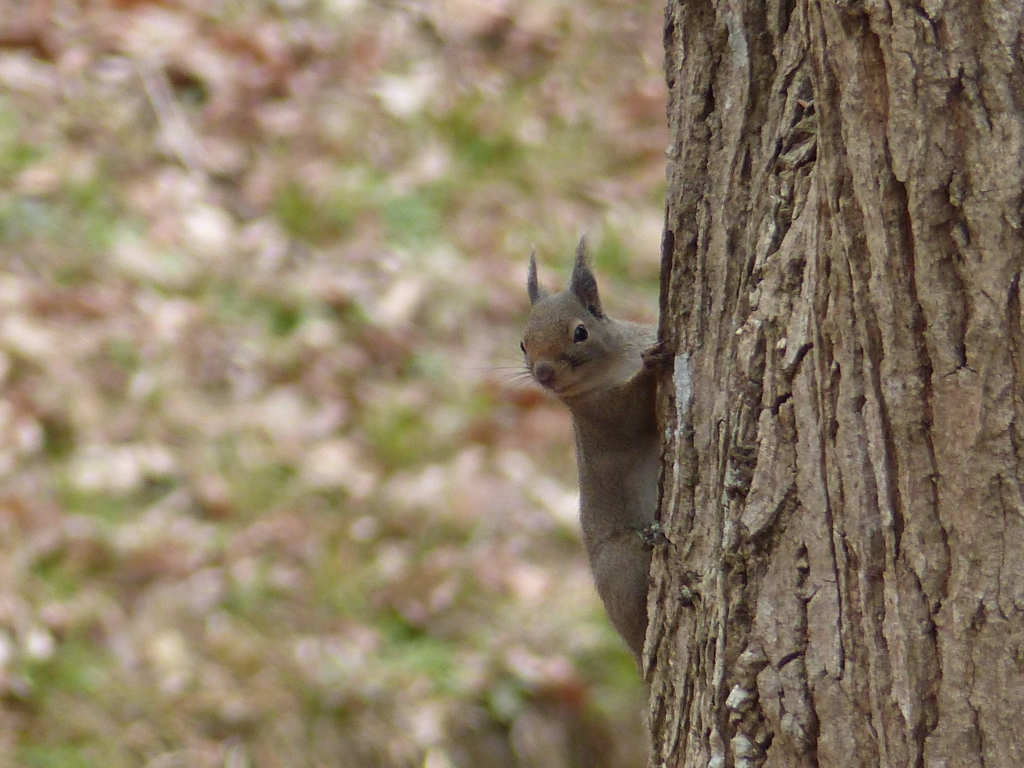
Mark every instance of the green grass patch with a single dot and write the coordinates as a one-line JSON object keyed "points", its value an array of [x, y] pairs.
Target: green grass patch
{"points": [[400, 435], [15, 153], [124, 353], [102, 506], [284, 318], [58, 437], [66, 755], [478, 148], [90, 214], [611, 256], [258, 491], [77, 666], [413, 218], [312, 220], [410, 653]]}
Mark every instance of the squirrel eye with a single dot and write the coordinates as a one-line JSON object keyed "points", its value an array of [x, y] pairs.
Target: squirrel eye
{"points": [[522, 346], [580, 334]]}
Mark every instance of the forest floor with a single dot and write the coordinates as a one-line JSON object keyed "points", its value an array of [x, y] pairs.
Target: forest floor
{"points": [[273, 490]]}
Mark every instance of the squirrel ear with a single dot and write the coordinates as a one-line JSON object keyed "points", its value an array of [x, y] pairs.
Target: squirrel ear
{"points": [[533, 289], [583, 284]]}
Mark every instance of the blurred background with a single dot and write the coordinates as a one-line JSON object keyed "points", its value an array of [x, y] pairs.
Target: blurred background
{"points": [[273, 490]]}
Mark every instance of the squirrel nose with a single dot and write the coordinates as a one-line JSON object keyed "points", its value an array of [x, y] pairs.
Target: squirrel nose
{"points": [[544, 373]]}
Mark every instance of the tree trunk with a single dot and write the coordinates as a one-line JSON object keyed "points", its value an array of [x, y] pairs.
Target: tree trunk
{"points": [[843, 583]]}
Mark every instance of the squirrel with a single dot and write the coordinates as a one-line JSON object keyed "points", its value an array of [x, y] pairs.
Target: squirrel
{"points": [[603, 370]]}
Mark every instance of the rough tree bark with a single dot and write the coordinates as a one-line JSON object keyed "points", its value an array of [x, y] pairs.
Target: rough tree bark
{"points": [[843, 583]]}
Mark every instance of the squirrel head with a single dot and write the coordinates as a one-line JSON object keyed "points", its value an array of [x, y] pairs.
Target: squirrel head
{"points": [[571, 347]]}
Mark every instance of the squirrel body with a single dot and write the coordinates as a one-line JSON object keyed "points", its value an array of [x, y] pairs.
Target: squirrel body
{"points": [[598, 367]]}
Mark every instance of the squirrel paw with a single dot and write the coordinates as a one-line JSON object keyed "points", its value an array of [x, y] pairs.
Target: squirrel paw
{"points": [[653, 536], [658, 355]]}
